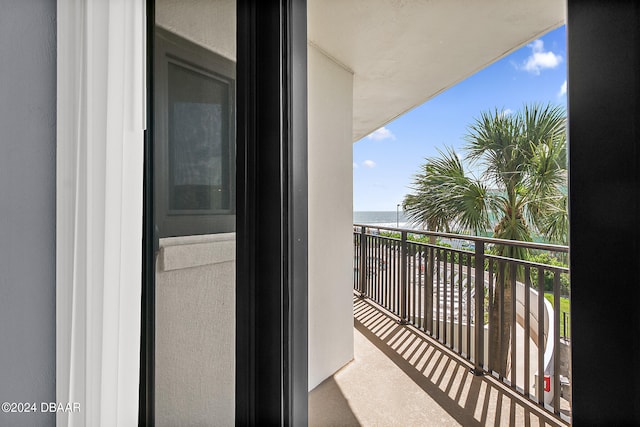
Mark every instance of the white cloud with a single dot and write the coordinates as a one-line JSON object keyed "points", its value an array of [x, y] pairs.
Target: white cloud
{"points": [[380, 134], [506, 112], [369, 164], [563, 89], [355, 165], [540, 59]]}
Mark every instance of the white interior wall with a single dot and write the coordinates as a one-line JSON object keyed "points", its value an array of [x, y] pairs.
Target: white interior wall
{"points": [[330, 155], [28, 209]]}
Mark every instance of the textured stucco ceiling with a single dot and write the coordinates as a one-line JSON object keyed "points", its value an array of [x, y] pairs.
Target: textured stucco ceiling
{"points": [[404, 52]]}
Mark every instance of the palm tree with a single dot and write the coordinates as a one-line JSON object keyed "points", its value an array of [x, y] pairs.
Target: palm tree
{"points": [[522, 186]]}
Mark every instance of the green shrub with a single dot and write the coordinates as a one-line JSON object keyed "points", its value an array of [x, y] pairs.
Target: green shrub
{"points": [[547, 259]]}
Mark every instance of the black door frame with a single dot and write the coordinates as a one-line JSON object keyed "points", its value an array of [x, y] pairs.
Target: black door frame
{"points": [[271, 319], [604, 177], [146, 402], [271, 227]]}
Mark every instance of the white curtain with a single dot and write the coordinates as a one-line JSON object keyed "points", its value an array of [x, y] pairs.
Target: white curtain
{"points": [[100, 122]]}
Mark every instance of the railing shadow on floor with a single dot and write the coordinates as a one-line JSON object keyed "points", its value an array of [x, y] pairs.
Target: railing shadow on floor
{"points": [[445, 376], [447, 289]]}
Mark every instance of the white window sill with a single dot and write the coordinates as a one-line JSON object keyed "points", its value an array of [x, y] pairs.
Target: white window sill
{"points": [[182, 252]]}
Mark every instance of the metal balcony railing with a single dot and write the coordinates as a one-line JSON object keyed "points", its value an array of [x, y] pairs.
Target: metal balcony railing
{"points": [[485, 307]]}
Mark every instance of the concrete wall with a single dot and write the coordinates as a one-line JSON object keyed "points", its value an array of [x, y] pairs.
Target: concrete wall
{"points": [[209, 23], [195, 331], [330, 216], [27, 207], [565, 367]]}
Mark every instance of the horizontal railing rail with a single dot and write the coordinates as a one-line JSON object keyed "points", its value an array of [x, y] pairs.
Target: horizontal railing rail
{"points": [[488, 308], [532, 245]]}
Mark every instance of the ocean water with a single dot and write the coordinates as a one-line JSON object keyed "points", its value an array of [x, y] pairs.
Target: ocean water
{"points": [[382, 218], [389, 219]]}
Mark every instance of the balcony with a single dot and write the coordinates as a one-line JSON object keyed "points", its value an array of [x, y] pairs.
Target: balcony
{"points": [[419, 356]]}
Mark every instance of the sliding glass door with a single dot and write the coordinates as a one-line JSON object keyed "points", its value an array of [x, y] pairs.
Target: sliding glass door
{"points": [[224, 296]]}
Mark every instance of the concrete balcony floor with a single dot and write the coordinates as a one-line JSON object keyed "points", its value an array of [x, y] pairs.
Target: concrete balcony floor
{"points": [[399, 377]]}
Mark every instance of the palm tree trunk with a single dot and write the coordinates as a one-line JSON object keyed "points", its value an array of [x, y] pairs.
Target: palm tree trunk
{"points": [[501, 323]]}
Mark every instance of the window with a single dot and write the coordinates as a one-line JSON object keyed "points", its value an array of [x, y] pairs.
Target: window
{"points": [[195, 152]]}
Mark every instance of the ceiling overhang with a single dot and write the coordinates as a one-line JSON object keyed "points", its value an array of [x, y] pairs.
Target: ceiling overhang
{"points": [[404, 52]]}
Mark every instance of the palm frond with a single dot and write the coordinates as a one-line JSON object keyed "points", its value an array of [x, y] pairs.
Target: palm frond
{"points": [[523, 157], [445, 198]]}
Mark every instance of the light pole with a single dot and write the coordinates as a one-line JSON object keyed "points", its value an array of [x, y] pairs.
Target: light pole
{"points": [[398, 215]]}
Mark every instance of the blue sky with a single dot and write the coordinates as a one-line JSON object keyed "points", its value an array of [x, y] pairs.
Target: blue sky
{"points": [[385, 162]]}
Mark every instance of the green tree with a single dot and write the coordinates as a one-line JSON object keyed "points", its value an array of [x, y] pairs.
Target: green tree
{"points": [[521, 190]]}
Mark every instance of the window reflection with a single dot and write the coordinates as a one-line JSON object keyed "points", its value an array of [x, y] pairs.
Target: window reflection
{"points": [[198, 141]]}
